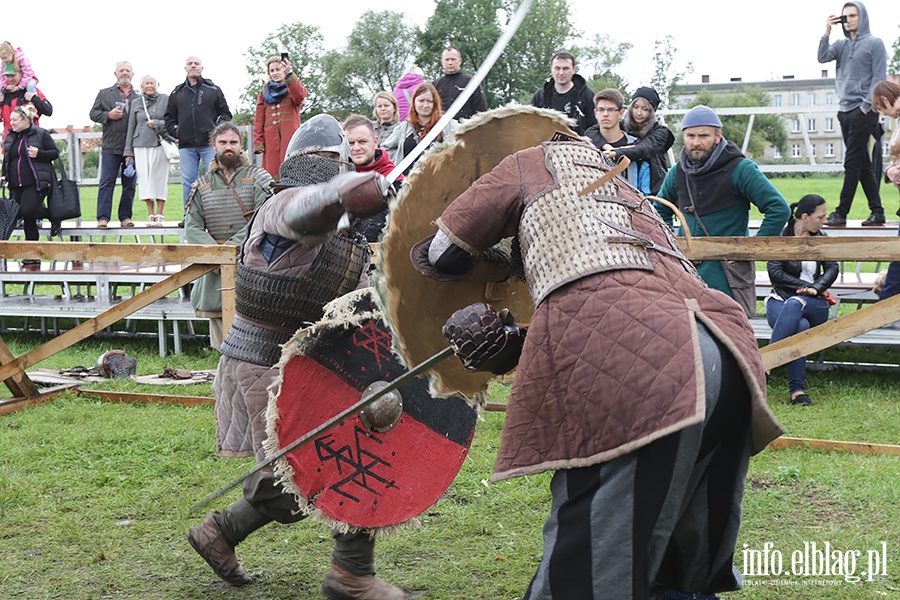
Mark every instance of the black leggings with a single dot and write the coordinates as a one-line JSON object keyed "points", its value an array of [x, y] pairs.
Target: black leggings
{"points": [[31, 208]]}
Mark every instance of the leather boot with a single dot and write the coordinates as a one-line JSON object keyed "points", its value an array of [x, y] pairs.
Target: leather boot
{"points": [[341, 584], [210, 543]]}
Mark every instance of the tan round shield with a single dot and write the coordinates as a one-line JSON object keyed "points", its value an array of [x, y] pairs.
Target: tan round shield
{"points": [[417, 307]]}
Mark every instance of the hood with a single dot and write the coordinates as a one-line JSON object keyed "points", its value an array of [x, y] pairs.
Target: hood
{"points": [[410, 81], [579, 81], [863, 29]]}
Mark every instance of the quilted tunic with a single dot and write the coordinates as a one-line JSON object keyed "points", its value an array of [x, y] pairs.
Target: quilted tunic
{"points": [[611, 361]]}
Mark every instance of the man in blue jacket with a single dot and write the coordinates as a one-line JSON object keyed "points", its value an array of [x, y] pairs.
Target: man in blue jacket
{"points": [[195, 108], [861, 63]]}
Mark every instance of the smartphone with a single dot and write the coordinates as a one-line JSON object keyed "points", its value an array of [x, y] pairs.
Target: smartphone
{"points": [[843, 19], [284, 55]]}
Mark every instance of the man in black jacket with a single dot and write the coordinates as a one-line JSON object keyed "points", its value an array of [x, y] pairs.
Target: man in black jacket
{"points": [[111, 109], [567, 92], [195, 108], [453, 82]]}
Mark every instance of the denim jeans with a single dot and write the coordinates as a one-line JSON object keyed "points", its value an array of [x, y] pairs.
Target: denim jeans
{"points": [[791, 316], [190, 165], [891, 285], [111, 167]]}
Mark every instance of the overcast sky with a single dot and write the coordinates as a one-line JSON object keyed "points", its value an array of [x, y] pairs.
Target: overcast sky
{"points": [[74, 49]]}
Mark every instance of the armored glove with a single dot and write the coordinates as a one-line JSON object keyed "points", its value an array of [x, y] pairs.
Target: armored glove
{"points": [[483, 339]]}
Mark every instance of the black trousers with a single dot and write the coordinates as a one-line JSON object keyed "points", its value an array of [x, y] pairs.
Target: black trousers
{"points": [[31, 208], [856, 129]]}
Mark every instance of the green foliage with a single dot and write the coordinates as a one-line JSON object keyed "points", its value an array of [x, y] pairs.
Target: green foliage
{"points": [[474, 26], [664, 79], [598, 60], [894, 62], [304, 45], [378, 51], [766, 128]]}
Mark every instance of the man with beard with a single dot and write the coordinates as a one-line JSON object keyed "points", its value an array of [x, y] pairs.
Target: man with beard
{"points": [[111, 108], [366, 157], [293, 261], [220, 204], [713, 184], [453, 82]]}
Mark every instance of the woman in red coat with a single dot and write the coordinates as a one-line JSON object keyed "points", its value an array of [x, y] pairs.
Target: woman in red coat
{"points": [[277, 113]]}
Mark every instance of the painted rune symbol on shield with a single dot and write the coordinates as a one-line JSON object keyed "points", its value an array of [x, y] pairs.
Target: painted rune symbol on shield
{"points": [[359, 463]]}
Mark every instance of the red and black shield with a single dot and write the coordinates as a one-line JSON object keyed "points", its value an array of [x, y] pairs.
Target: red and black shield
{"points": [[350, 474]]}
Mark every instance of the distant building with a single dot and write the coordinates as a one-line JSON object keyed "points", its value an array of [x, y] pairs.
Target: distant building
{"points": [[824, 130]]}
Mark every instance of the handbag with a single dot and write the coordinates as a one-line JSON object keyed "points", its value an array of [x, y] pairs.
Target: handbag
{"points": [[9, 210], [63, 201], [170, 148]]}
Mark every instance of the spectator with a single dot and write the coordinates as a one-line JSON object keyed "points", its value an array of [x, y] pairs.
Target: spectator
{"points": [[386, 114], [14, 61], [277, 112], [714, 185], [861, 63], [220, 205], [28, 155], [886, 100], [567, 92], [145, 124], [797, 301], [424, 114], [653, 138], [111, 109], [607, 135], [195, 108], [367, 156], [454, 81], [404, 89], [16, 96]]}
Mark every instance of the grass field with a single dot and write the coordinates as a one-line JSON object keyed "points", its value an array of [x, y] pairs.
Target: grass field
{"points": [[95, 497]]}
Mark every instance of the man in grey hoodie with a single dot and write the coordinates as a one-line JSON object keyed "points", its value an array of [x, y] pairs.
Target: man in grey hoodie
{"points": [[861, 63]]}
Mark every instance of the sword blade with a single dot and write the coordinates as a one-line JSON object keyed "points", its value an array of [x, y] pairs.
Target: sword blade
{"points": [[333, 422], [464, 96]]}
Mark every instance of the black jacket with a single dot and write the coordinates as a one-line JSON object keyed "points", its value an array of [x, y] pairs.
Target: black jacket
{"points": [[652, 149], [18, 168], [451, 86], [193, 112], [785, 274], [113, 131], [582, 111]]}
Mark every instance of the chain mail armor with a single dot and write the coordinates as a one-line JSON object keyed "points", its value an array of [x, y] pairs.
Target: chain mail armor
{"points": [[222, 213], [282, 305], [598, 224], [308, 169]]}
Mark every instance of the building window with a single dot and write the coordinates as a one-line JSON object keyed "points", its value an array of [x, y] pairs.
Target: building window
{"points": [[829, 150], [776, 100], [886, 148], [795, 151], [795, 99], [795, 126], [776, 153], [811, 125], [829, 99], [812, 99], [813, 150], [829, 123]]}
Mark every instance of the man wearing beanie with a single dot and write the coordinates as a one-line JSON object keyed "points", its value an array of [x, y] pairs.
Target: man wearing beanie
{"points": [[861, 63], [713, 185]]}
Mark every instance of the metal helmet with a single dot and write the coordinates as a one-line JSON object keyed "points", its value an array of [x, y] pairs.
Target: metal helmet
{"points": [[304, 165]]}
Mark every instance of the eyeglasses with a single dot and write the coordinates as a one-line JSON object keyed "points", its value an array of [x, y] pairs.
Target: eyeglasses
{"points": [[607, 111]]}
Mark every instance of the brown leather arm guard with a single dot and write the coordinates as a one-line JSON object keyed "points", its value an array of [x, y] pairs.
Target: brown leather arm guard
{"points": [[485, 340], [315, 211]]}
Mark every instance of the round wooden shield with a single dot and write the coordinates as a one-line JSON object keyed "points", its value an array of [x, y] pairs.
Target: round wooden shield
{"points": [[417, 307], [351, 476]]}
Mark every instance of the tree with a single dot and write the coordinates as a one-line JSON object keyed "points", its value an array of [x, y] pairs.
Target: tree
{"points": [[304, 45], [766, 128], [894, 64], [598, 59], [665, 81], [377, 53], [474, 26]]}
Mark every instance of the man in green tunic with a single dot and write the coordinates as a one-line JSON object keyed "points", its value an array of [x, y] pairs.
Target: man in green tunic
{"points": [[219, 207], [713, 184]]}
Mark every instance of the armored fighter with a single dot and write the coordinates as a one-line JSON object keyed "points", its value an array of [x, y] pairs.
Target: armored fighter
{"points": [[638, 385], [293, 262]]}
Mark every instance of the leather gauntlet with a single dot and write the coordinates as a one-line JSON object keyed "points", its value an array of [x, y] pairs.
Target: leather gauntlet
{"points": [[484, 339]]}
